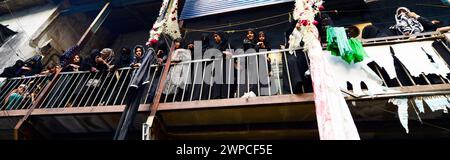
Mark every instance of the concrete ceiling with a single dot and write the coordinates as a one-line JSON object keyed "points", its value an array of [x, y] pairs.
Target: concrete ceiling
{"points": [[14, 5]]}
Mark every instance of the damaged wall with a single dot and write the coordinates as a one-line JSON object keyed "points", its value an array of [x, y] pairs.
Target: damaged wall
{"points": [[64, 31], [26, 23]]}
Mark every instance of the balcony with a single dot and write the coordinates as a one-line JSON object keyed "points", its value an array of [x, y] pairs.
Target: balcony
{"points": [[77, 103]]}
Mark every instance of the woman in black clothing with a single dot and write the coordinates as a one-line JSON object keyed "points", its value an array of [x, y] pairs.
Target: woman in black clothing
{"points": [[14, 70], [75, 65], [248, 66], [219, 74], [294, 68], [139, 55], [265, 67], [124, 59], [249, 40], [197, 71], [371, 31]]}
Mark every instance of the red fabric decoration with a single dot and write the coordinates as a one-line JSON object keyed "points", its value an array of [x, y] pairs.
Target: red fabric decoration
{"points": [[153, 41], [315, 23], [321, 8], [304, 22]]}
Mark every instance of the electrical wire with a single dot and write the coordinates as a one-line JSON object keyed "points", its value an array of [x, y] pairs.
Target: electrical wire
{"points": [[240, 30]]}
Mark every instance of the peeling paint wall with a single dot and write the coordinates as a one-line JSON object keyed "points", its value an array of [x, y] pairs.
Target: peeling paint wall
{"points": [[26, 23]]}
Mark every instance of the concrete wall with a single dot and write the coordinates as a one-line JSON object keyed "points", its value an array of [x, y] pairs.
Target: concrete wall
{"points": [[130, 40], [15, 5], [64, 31], [102, 39], [26, 23]]}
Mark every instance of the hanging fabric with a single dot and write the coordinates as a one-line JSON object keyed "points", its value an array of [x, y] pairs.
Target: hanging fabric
{"points": [[437, 103], [350, 50], [438, 63], [355, 74], [402, 111], [383, 57], [414, 56], [358, 50], [177, 76], [333, 115], [419, 103]]}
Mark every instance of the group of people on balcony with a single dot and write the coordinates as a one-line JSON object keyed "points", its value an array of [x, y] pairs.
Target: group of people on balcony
{"points": [[188, 79], [191, 81], [21, 95]]}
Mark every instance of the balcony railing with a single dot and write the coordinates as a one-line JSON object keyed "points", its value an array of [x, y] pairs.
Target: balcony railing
{"points": [[33, 86], [242, 74]]}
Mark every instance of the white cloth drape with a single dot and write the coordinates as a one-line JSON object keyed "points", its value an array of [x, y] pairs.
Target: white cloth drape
{"points": [[402, 104], [383, 57], [414, 56], [333, 116]]}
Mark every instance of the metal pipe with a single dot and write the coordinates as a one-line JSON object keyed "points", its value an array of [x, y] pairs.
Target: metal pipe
{"points": [[186, 81], [120, 89], [257, 73], [229, 78], [426, 79], [268, 75], [379, 73], [32, 87], [101, 87], [203, 80], [23, 96], [407, 73], [93, 90], [211, 81], [278, 74], [75, 89], [39, 82], [247, 76], [120, 75], [50, 91], [404, 95], [194, 82], [87, 90], [55, 92], [150, 87], [287, 70], [106, 90], [81, 89], [176, 90], [68, 91], [62, 89], [9, 89]]}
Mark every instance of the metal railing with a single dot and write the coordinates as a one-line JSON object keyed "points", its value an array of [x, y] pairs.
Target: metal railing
{"points": [[86, 89], [24, 100], [258, 74], [263, 73]]}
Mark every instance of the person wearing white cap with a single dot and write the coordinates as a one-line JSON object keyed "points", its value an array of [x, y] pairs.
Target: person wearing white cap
{"points": [[405, 24]]}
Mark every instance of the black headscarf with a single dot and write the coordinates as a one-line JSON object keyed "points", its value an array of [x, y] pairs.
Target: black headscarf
{"points": [[223, 45], [247, 43], [138, 59], [371, 31]]}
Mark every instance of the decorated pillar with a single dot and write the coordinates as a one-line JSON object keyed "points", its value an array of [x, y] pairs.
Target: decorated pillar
{"points": [[334, 119]]}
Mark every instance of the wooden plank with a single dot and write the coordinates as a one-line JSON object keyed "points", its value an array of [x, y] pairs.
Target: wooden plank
{"points": [[94, 25], [242, 102], [236, 102]]}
